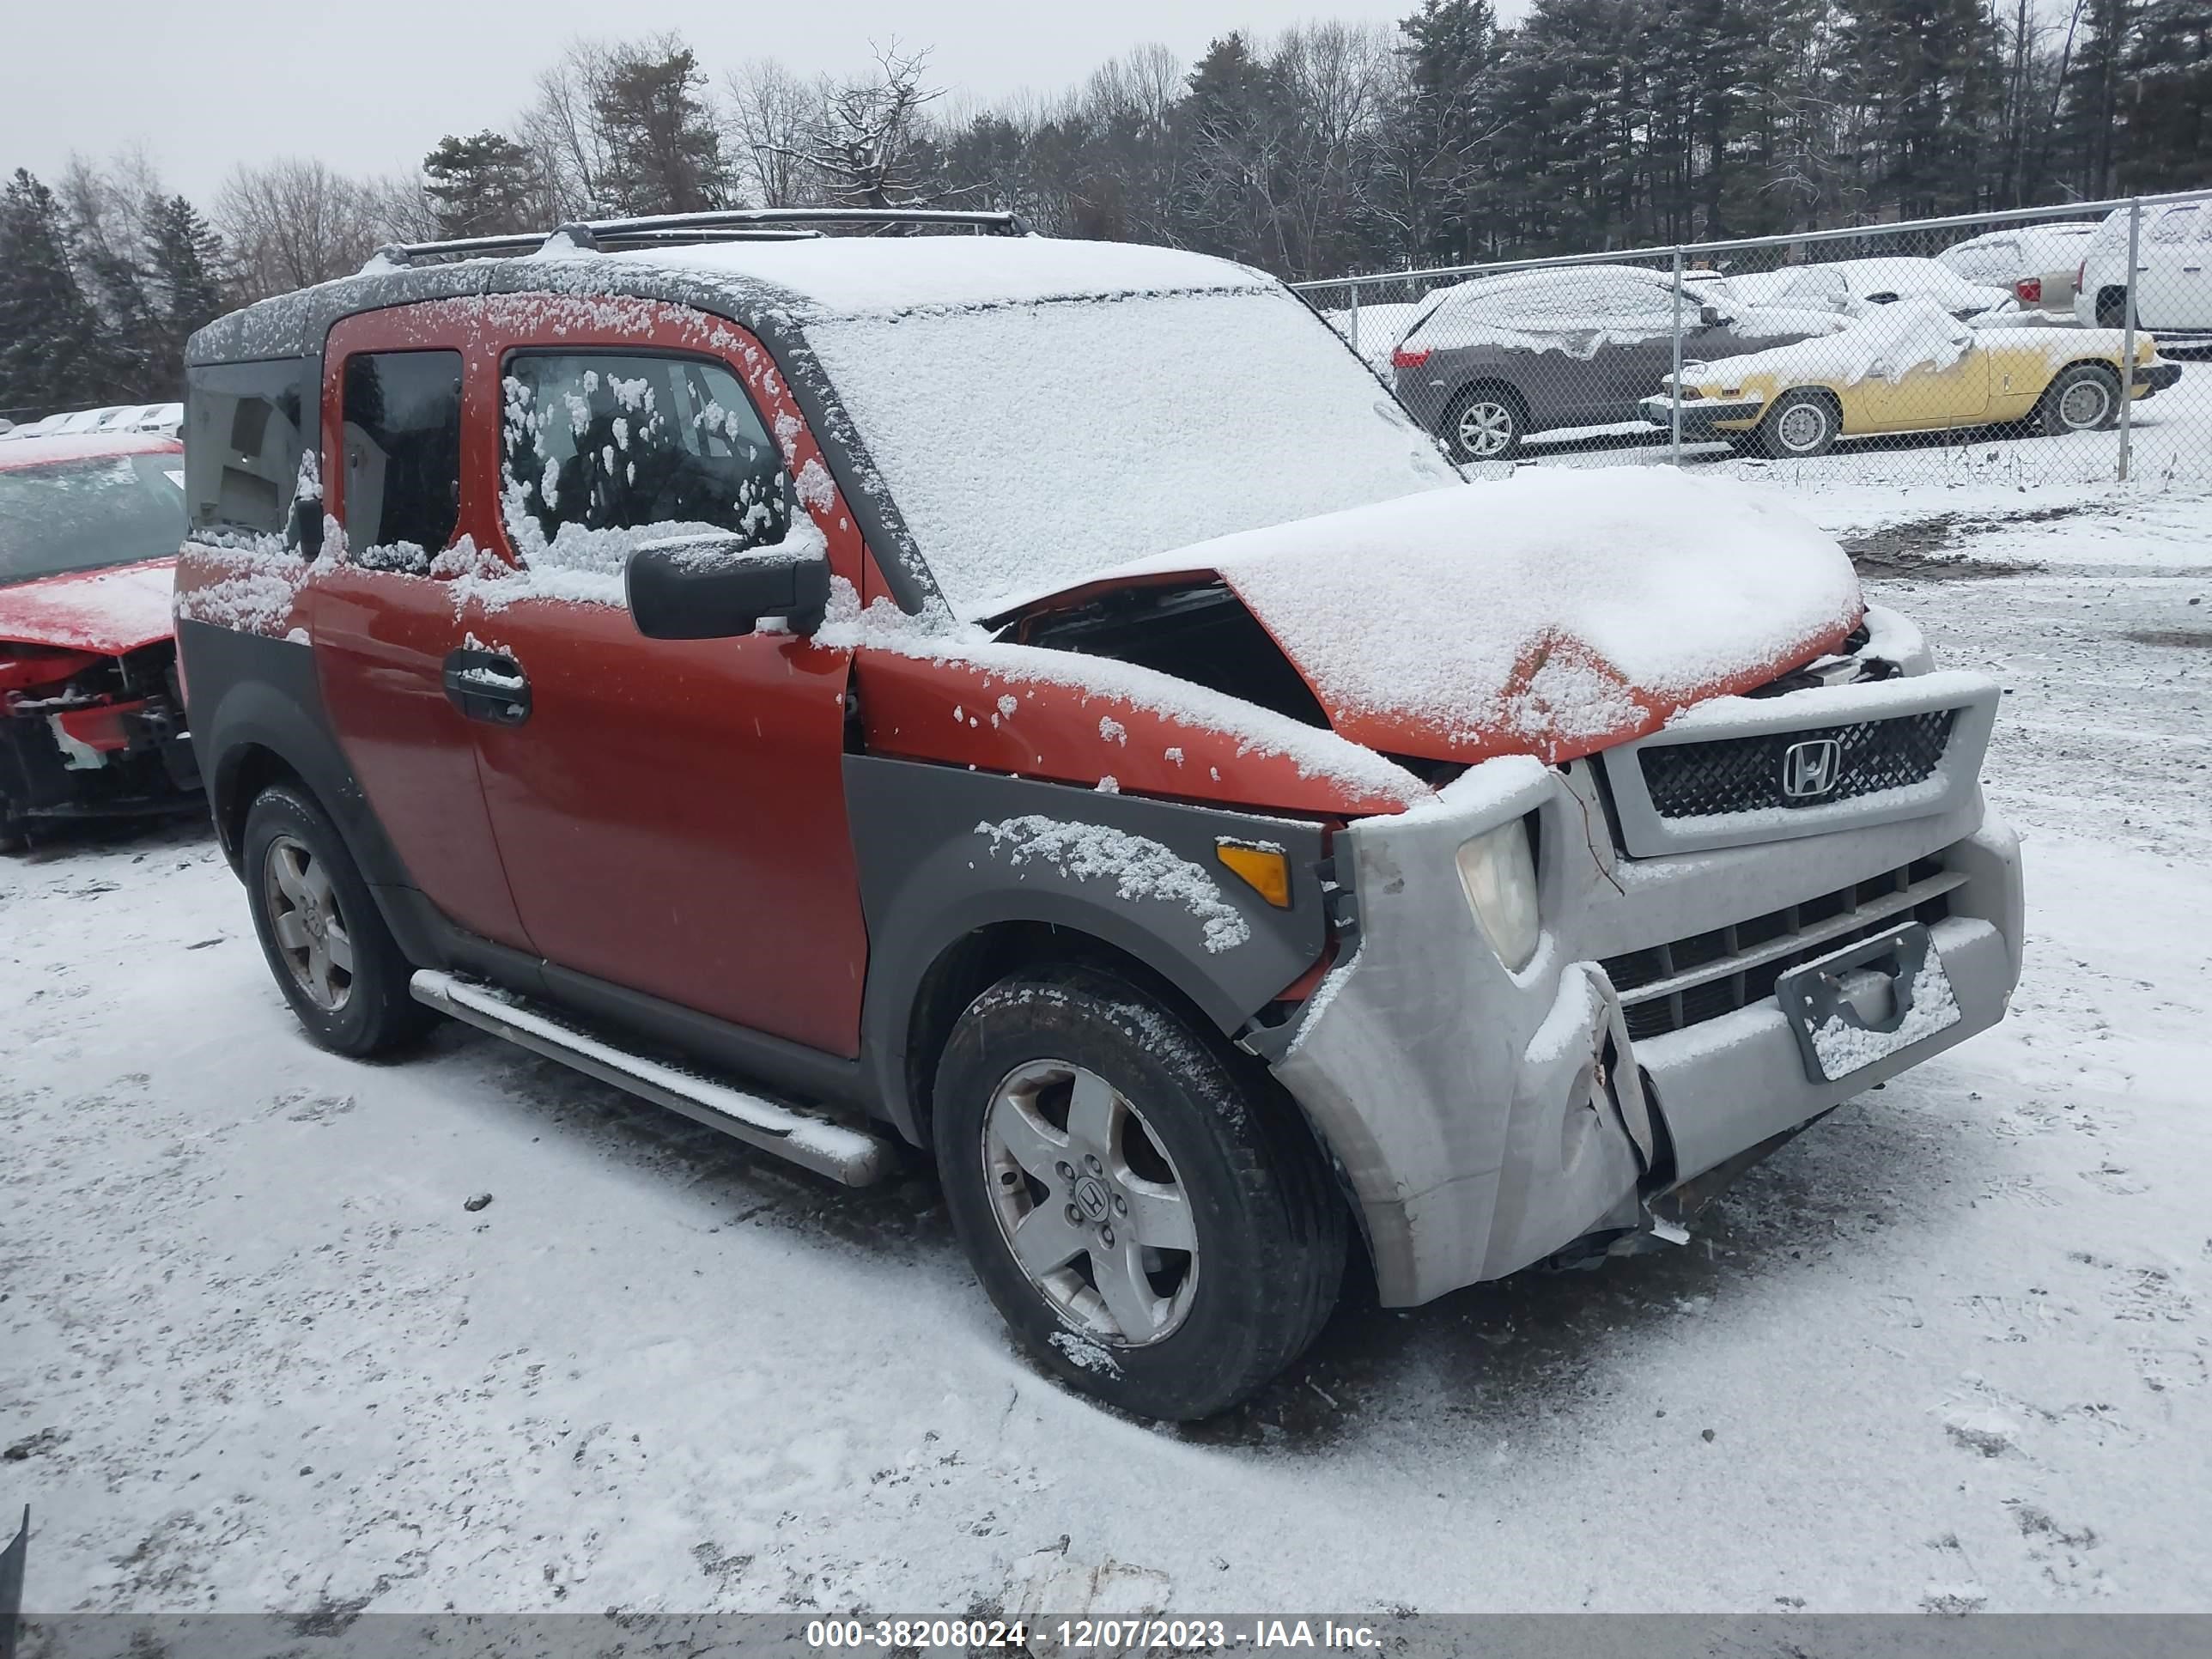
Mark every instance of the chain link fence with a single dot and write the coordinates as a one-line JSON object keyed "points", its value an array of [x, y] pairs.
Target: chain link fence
{"points": [[1990, 349]]}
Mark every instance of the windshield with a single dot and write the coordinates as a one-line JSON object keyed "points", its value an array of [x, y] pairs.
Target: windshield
{"points": [[79, 515], [1031, 446]]}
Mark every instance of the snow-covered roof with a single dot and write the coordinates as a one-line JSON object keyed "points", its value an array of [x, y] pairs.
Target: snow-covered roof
{"points": [[761, 285], [857, 276]]}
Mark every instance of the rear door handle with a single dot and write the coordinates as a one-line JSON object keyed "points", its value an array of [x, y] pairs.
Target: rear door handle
{"points": [[488, 685]]}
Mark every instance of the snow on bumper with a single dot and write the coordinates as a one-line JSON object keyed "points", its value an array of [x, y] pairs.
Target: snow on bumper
{"points": [[1486, 1119], [1704, 417]]}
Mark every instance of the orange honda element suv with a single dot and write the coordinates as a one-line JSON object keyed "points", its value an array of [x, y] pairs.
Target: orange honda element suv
{"points": [[1046, 704]]}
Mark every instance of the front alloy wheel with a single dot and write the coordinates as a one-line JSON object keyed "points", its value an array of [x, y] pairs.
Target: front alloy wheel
{"points": [[1089, 1203], [1801, 425], [1145, 1207], [2085, 399]]}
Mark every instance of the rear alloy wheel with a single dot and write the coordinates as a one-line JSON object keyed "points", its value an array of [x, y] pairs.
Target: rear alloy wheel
{"points": [[1485, 425], [2084, 398], [1801, 425], [1153, 1222], [332, 955]]}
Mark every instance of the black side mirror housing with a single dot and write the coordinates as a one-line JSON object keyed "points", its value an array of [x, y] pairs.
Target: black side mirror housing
{"points": [[718, 585], [305, 530], [1709, 316]]}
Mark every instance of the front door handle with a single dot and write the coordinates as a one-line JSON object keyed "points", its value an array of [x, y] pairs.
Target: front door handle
{"points": [[488, 685]]}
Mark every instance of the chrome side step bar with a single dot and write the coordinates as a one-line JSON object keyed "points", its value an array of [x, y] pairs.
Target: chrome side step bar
{"points": [[855, 1157]]}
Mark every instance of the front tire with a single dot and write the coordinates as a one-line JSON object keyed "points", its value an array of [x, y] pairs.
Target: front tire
{"points": [[326, 941], [2085, 397], [1801, 425], [1155, 1228]]}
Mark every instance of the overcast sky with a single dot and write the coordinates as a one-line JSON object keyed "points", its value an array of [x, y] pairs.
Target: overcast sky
{"points": [[369, 88]]}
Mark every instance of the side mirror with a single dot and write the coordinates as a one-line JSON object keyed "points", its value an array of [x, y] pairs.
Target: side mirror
{"points": [[305, 530], [1709, 316], [717, 587]]}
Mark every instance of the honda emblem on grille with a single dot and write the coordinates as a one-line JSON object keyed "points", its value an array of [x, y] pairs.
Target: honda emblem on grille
{"points": [[1812, 769]]}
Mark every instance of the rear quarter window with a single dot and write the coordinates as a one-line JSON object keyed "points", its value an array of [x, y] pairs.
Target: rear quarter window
{"points": [[244, 437]]}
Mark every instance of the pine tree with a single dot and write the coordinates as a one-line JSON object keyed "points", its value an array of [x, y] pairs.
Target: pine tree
{"points": [[1442, 144], [480, 185], [49, 332], [2166, 102], [184, 255], [663, 153]]}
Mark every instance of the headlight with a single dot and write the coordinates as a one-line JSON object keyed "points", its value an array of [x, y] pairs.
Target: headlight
{"points": [[1499, 875]]}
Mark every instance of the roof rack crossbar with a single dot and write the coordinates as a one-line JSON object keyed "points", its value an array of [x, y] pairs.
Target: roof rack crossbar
{"points": [[718, 224]]}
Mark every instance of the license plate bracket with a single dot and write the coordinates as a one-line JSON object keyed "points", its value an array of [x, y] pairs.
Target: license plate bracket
{"points": [[1858, 1006]]}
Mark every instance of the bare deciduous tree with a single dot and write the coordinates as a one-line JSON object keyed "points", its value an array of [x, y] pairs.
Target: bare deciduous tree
{"points": [[295, 222], [769, 113], [864, 142]]}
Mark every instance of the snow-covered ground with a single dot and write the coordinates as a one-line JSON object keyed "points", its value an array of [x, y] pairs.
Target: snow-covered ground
{"points": [[1951, 1349]]}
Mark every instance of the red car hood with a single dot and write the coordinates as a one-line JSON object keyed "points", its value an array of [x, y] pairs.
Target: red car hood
{"points": [[108, 612], [1556, 613]]}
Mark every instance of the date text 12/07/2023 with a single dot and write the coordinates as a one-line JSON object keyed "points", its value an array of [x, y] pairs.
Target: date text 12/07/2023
{"points": [[1102, 1636]]}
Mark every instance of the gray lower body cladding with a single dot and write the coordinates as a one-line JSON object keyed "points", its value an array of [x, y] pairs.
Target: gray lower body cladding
{"points": [[1485, 1119]]}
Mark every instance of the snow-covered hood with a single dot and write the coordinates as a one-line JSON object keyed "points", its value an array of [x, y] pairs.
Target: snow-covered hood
{"points": [[1553, 613], [105, 612]]}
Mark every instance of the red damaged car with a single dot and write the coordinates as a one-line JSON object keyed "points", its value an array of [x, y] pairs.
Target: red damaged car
{"points": [[94, 714]]}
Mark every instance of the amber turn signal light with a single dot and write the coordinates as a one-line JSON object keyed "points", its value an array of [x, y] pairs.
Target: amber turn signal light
{"points": [[1260, 867]]}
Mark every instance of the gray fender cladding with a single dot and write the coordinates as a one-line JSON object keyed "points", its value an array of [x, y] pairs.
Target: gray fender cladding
{"points": [[944, 853]]}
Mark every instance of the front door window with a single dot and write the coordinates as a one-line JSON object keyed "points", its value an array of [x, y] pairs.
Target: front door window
{"points": [[598, 442]]}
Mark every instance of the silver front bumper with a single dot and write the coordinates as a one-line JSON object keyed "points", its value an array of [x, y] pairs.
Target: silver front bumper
{"points": [[1485, 1120]]}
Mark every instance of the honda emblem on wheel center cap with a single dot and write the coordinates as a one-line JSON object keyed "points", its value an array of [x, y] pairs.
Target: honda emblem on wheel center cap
{"points": [[1090, 1198], [1812, 768]]}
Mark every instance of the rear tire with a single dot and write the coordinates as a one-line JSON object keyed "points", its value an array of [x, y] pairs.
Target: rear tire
{"points": [[2085, 397], [326, 941], [2112, 307], [1070, 1104], [1802, 424], [1485, 423]]}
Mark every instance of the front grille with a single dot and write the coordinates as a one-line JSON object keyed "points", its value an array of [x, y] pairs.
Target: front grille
{"points": [[1745, 774], [1665, 987]]}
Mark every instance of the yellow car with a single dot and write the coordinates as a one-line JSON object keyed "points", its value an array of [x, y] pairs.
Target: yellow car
{"points": [[1910, 367]]}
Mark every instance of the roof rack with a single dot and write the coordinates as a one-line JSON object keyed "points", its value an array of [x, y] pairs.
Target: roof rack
{"points": [[717, 225]]}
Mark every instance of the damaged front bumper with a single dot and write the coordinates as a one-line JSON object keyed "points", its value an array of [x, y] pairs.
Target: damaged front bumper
{"points": [[1485, 1119], [94, 757]]}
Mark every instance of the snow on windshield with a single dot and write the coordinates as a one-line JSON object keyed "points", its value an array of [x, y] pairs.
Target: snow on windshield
{"points": [[1028, 446]]}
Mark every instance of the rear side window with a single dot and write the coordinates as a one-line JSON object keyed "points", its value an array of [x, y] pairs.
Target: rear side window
{"points": [[243, 441], [403, 456], [2178, 224], [611, 441]]}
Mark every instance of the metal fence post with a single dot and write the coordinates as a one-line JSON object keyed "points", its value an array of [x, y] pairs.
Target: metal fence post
{"points": [[2128, 335], [1674, 413], [1355, 321]]}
